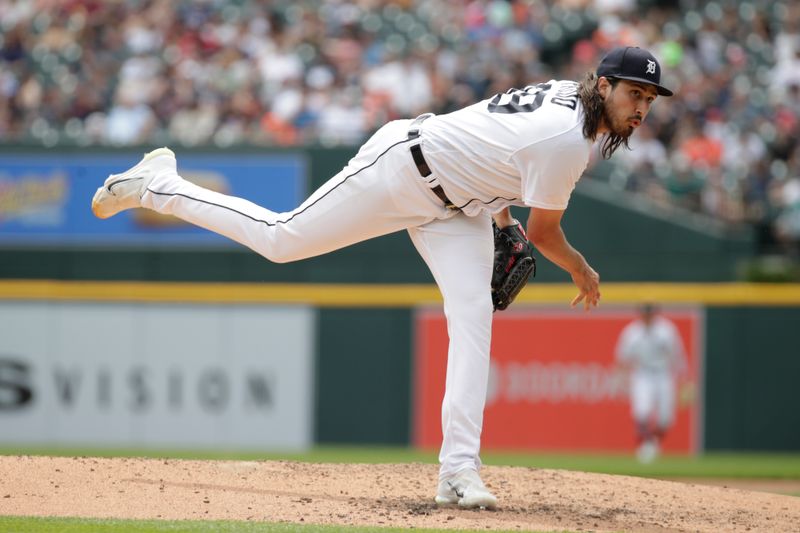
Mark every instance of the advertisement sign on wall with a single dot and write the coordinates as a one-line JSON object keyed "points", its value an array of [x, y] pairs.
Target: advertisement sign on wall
{"points": [[45, 199], [156, 375], [554, 384]]}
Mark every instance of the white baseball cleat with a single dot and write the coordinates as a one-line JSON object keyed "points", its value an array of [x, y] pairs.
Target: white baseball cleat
{"points": [[124, 191], [465, 489], [647, 452]]}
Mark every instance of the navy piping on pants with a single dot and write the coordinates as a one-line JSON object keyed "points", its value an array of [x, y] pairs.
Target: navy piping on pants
{"points": [[293, 214]]}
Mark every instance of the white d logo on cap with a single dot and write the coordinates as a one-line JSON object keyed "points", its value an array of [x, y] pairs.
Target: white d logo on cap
{"points": [[651, 67]]}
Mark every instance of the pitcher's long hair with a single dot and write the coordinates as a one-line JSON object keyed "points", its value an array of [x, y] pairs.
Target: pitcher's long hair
{"points": [[594, 112]]}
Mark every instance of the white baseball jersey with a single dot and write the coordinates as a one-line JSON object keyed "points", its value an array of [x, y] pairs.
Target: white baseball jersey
{"points": [[653, 348], [524, 147], [656, 354]]}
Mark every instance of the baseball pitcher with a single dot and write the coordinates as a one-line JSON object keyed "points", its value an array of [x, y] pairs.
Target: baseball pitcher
{"points": [[443, 179]]}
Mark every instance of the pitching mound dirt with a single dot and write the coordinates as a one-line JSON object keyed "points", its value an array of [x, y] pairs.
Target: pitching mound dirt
{"points": [[378, 495]]}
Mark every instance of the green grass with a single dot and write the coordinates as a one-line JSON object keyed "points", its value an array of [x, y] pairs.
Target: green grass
{"points": [[13, 524], [715, 465], [711, 465]]}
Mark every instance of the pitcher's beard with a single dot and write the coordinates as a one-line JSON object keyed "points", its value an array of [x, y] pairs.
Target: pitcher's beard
{"points": [[622, 130], [617, 135]]}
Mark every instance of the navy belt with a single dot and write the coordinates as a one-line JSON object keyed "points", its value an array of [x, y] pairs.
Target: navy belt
{"points": [[419, 159]]}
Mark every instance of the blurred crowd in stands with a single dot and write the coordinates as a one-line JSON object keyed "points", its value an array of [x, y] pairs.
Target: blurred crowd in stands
{"points": [[296, 72]]}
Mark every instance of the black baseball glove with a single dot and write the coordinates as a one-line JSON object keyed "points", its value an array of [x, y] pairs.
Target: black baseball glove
{"points": [[513, 264]]}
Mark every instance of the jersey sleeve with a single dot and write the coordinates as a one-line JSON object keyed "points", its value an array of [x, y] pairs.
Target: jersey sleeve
{"points": [[549, 169]]}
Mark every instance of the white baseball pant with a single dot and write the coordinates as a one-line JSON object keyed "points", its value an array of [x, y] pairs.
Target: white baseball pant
{"points": [[380, 191], [653, 394]]}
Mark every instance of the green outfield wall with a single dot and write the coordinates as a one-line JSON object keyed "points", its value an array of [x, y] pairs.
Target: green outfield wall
{"points": [[365, 341], [753, 378]]}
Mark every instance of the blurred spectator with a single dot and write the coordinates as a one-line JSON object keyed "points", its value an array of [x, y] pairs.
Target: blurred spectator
{"points": [[129, 121], [195, 125], [787, 222], [405, 81], [697, 147], [342, 120], [647, 151]]}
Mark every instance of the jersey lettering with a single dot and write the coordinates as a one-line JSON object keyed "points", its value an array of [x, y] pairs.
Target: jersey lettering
{"points": [[526, 100], [567, 96]]}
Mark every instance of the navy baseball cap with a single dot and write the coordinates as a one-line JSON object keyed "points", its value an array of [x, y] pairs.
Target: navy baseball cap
{"points": [[635, 64]]}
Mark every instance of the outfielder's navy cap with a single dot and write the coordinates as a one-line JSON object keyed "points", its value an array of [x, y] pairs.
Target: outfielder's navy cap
{"points": [[634, 64]]}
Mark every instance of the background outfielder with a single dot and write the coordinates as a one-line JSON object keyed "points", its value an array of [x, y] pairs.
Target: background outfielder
{"points": [[441, 178], [651, 350]]}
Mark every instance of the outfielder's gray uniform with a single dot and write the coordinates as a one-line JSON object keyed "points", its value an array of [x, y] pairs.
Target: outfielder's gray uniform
{"points": [[525, 147]]}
